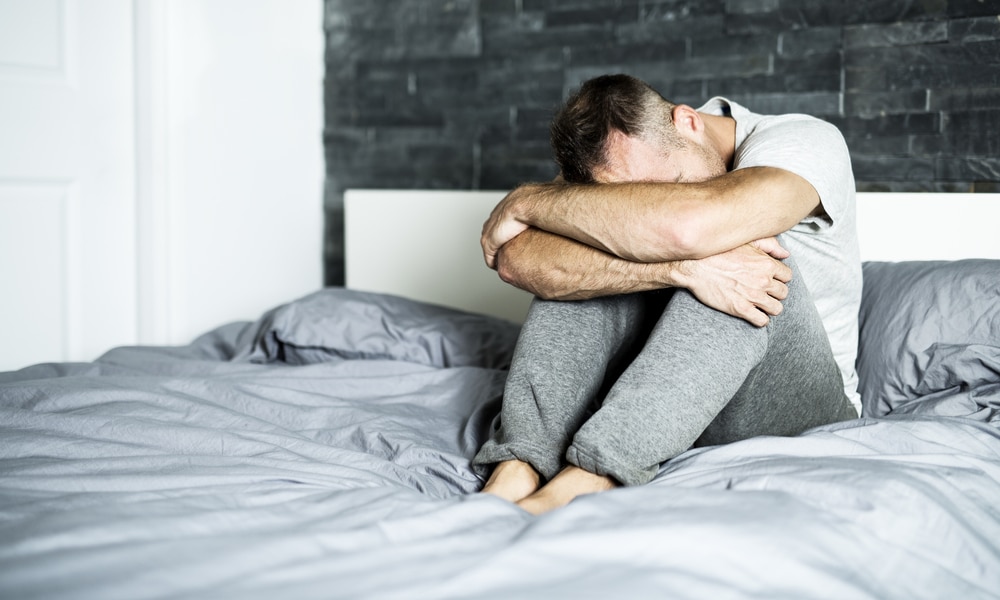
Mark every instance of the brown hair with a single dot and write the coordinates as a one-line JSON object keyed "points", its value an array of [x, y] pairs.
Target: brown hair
{"points": [[580, 130]]}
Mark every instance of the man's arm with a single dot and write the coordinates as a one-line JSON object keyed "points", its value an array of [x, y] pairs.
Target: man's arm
{"points": [[657, 221], [746, 282], [557, 268]]}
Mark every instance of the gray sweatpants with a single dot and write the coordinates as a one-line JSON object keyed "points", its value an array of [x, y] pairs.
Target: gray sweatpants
{"points": [[620, 384]]}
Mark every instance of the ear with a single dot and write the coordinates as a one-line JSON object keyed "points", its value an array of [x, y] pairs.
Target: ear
{"points": [[688, 122]]}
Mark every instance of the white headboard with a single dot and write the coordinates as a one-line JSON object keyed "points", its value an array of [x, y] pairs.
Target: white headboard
{"points": [[917, 226], [425, 244]]}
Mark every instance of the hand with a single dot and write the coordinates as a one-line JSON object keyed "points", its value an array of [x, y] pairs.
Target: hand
{"points": [[747, 282], [502, 226]]}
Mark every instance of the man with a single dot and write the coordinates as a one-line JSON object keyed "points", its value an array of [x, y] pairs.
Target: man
{"points": [[672, 315]]}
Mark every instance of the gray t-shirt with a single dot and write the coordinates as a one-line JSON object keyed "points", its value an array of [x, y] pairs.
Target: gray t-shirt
{"points": [[825, 247]]}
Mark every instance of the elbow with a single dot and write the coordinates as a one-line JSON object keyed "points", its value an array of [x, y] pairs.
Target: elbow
{"points": [[696, 245], [510, 273], [523, 277], [507, 272], [684, 243]]}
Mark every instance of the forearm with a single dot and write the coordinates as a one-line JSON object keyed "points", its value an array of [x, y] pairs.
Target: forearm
{"points": [[621, 219], [662, 221], [747, 282], [558, 268]]}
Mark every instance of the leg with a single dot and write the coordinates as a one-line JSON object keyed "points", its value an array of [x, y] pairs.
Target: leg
{"points": [[797, 386], [704, 376], [695, 360], [689, 347], [563, 357]]}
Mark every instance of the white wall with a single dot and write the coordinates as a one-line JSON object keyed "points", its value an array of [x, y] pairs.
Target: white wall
{"points": [[237, 154]]}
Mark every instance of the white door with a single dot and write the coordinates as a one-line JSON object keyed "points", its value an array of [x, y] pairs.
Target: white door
{"points": [[67, 226]]}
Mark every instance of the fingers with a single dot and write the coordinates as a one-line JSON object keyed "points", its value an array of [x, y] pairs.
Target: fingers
{"points": [[491, 239], [501, 227], [777, 289], [495, 235], [751, 314], [772, 247], [489, 251], [759, 313], [782, 272], [768, 300], [769, 306], [777, 252], [764, 304], [779, 271]]}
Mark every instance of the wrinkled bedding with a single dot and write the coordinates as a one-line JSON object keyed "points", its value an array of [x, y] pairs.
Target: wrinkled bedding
{"points": [[323, 452]]}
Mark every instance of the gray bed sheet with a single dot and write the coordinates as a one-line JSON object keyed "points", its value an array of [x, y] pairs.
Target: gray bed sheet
{"points": [[323, 452]]}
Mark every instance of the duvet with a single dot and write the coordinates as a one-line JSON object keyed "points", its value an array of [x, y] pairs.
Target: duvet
{"points": [[323, 452]]}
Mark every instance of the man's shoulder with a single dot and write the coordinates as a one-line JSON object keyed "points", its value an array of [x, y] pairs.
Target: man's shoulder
{"points": [[794, 132], [798, 124]]}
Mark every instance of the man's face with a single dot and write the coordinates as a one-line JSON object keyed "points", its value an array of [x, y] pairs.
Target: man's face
{"points": [[633, 159]]}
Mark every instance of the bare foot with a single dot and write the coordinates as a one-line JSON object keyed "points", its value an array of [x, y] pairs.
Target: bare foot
{"points": [[512, 480], [564, 487]]}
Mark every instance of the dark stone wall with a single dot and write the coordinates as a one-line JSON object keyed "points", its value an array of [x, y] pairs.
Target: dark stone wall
{"points": [[458, 93]]}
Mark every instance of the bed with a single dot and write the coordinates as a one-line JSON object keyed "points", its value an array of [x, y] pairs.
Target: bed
{"points": [[322, 451]]}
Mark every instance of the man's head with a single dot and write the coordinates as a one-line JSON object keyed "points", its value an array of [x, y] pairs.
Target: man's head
{"points": [[618, 128]]}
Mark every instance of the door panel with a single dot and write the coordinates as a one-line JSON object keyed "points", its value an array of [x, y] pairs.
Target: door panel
{"points": [[33, 231], [67, 266]]}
